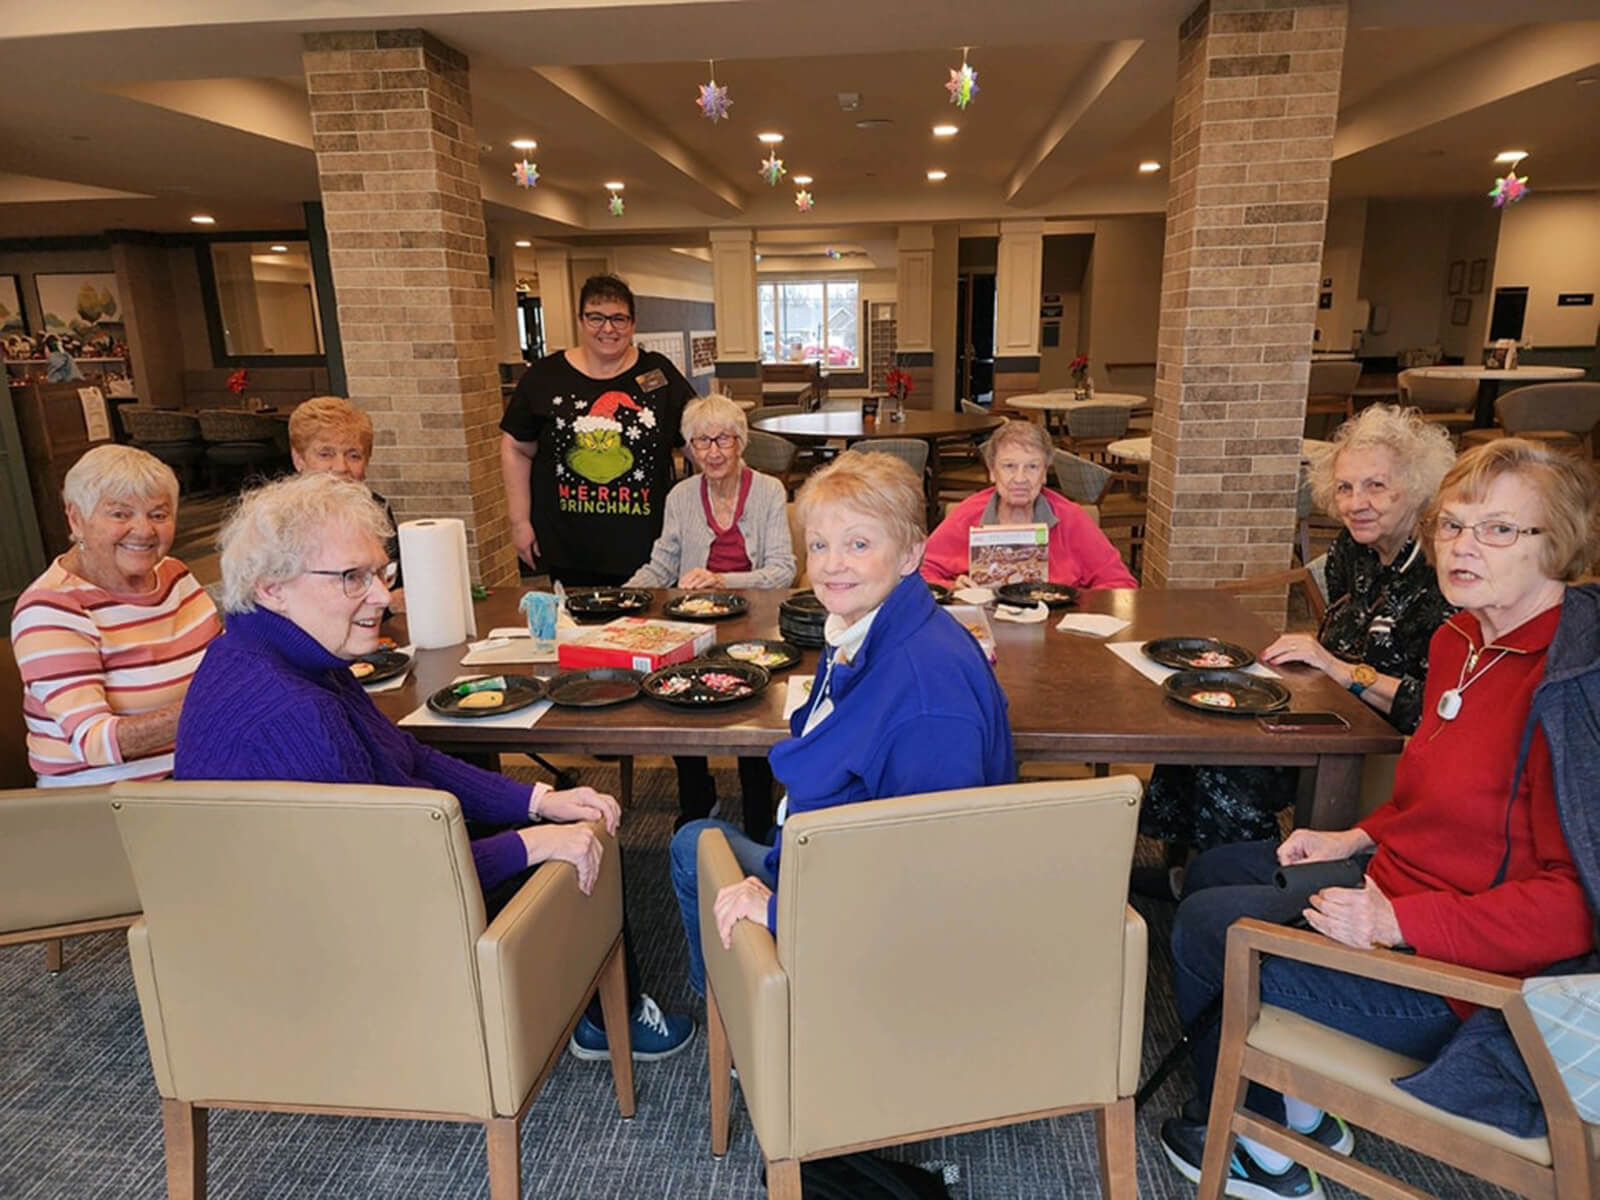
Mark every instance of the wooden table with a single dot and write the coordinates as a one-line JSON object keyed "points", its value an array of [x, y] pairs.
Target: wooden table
{"points": [[849, 424], [1490, 380], [1067, 401], [1071, 700]]}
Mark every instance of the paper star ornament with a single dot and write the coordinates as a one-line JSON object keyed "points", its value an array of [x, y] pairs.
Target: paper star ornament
{"points": [[833, 254], [963, 85], [713, 103], [772, 169], [615, 204], [1509, 190], [802, 200], [526, 174]]}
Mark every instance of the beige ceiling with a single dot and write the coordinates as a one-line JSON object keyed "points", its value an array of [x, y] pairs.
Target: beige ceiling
{"points": [[1074, 93]]}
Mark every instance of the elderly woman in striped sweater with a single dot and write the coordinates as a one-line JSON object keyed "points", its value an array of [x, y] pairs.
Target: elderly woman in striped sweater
{"points": [[109, 636]]}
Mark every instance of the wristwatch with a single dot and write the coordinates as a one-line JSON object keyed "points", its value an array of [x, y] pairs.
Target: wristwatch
{"points": [[1362, 676]]}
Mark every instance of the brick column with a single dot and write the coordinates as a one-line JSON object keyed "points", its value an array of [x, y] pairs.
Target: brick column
{"points": [[392, 126], [1252, 145]]}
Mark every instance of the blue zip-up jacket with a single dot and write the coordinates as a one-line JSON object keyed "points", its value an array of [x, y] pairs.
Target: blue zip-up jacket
{"points": [[918, 710]]}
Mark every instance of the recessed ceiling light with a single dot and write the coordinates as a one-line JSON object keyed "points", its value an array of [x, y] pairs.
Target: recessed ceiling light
{"points": [[1510, 156], [769, 139], [280, 249], [524, 144], [1586, 80], [874, 123], [802, 180], [615, 185], [524, 244], [946, 130], [1149, 167], [203, 219], [935, 176]]}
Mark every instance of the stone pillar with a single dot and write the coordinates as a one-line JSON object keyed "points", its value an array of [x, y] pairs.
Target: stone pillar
{"points": [[507, 340], [556, 298], [1018, 272], [914, 312], [733, 286], [1252, 144], [391, 117]]}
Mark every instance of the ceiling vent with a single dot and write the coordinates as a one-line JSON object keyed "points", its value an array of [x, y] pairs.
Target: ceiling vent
{"points": [[874, 123], [849, 101]]}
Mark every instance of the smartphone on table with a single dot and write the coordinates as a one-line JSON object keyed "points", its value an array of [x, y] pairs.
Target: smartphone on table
{"points": [[1290, 722]]}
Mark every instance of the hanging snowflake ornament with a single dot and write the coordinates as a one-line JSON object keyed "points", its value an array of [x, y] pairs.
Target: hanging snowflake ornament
{"points": [[615, 204], [833, 254], [713, 103], [802, 200], [526, 174], [963, 85], [772, 169], [1508, 190]]}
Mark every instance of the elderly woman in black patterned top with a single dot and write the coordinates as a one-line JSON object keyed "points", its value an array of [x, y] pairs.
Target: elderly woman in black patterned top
{"points": [[1383, 605]]}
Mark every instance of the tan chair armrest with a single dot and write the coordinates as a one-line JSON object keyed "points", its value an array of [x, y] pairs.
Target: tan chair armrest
{"points": [[537, 963], [61, 859], [752, 994], [1135, 960]]}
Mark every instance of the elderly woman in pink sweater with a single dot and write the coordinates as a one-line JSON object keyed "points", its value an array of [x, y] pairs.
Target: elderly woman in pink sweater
{"points": [[1018, 456]]}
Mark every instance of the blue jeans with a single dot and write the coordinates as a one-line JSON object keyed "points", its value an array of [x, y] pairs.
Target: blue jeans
{"points": [[750, 855], [1235, 881]]}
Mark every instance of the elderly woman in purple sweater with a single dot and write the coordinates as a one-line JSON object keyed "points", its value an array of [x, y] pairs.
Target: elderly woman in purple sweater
{"points": [[305, 582]]}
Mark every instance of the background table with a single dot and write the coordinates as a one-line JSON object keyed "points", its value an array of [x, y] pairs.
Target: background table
{"points": [[1490, 379], [1071, 700], [849, 424], [1066, 401]]}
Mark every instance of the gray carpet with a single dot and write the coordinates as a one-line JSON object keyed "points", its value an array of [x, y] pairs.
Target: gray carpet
{"points": [[79, 1116]]}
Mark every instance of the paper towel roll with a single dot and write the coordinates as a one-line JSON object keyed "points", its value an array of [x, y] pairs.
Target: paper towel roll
{"points": [[438, 583]]}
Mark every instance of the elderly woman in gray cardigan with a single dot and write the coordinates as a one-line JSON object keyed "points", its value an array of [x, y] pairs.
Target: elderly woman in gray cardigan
{"points": [[725, 527]]}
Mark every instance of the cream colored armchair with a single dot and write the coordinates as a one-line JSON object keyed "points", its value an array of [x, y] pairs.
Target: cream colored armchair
{"points": [[321, 948], [943, 963], [62, 870]]}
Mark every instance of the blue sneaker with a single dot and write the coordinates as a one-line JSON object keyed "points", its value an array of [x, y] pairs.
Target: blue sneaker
{"points": [[654, 1034], [1333, 1133], [1184, 1142]]}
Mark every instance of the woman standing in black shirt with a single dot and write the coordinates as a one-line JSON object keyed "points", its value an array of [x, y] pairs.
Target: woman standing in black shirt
{"points": [[1384, 604], [586, 446]]}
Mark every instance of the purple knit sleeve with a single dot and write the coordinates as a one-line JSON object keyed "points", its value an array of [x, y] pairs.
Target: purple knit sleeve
{"points": [[498, 858], [483, 795]]}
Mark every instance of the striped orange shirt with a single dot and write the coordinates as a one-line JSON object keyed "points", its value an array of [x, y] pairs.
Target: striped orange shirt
{"points": [[90, 657]]}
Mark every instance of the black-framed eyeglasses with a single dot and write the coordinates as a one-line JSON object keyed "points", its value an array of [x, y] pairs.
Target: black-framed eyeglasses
{"points": [[1485, 533], [595, 320], [722, 441], [357, 580]]}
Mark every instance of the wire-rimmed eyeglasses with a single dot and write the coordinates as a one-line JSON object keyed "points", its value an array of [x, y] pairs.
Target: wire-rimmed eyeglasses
{"points": [[1486, 533], [357, 580]]}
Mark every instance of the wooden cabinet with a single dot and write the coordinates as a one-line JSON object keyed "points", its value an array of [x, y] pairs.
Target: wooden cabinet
{"points": [[55, 434]]}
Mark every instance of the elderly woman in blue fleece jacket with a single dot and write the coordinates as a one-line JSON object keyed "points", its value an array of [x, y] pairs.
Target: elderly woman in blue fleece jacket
{"points": [[904, 700], [305, 581]]}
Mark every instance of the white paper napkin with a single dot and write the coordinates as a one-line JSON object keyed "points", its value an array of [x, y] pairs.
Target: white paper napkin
{"points": [[523, 718], [1023, 616], [399, 681], [1094, 624], [492, 652], [974, 595], [1133, 654], [797, 693]]}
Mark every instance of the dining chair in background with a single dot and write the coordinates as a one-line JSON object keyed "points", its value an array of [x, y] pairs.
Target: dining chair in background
{"points": [[1093, 427], [323, 948], [773, 455], [864, 928], [1330, 395], [1442, 401]]}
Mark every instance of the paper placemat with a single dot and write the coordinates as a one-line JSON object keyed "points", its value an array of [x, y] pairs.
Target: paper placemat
{"points": [[1093, 624], [1133, 654], [523, 718], [797, 693], [399, 681]]}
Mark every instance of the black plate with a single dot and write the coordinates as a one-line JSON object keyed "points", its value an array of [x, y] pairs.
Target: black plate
{"points": [[1054, 595], [601, 604], [788, 655], [386, 664], [593, 687], [1180, 652], [699, 694], [1252, 694], [805, 603], [520, 692], [941, 594], [734, 605]]}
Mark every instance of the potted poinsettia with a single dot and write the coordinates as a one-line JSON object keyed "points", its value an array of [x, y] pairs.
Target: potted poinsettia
{"points": [[898, 383], [1079, 367]]}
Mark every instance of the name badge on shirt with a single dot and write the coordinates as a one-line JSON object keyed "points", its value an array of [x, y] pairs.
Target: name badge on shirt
{"points": [[651, 380]]}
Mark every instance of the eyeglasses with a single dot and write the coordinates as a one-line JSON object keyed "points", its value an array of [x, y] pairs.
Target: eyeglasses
{"points": [[723, 441], [358, 580], [597, 320], [1487, 533]]}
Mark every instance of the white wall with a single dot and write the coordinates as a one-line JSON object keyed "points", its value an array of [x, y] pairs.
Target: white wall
{"points": [[1550, 243], [1121, 308], [1403, 266], [657, 271], [1061, 274], [1341, 273], [1474, 232]]}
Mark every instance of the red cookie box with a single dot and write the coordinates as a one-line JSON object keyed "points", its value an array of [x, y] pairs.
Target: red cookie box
{"points": [[637, 643]]}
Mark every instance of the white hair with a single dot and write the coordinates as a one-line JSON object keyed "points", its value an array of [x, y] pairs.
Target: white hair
{"points": [[120, 472], [714, 411], [1420, 448], [275, 528]]}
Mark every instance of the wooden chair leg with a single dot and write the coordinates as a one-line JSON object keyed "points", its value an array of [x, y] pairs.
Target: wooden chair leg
{"points": [[783, 1179], [52, 955], [614, 1007], [504, 1137], [1113, 1130], [1227, 1095], [719, 1063], [183, 1128]]}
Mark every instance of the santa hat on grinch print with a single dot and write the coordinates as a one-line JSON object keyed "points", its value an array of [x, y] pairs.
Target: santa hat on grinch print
{"points": [[599, 455]]}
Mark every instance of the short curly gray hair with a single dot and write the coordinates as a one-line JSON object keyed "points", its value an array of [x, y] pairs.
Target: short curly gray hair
{"points": [[715, 411], [1025, 434], [273, 530], [121, 472], [1421, 449]]}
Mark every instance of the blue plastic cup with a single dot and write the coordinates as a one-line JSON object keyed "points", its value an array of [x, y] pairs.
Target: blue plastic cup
{"points": [[540, 608]]}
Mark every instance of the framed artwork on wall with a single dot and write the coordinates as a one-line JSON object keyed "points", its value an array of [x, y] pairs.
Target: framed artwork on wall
{"points": [[1478, 276], [87, 308], [1458, 277], [12, 318], [1461, 311]]}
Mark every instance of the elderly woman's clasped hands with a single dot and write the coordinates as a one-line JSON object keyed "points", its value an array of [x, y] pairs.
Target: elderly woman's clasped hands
{"points": [[576, 842], [1361, 917]]}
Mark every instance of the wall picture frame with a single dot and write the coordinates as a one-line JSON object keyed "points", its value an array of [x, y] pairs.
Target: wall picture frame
{"points": [[12, 317], [87, 307], [1477, 276], [1461, 311], [1458, 277]]}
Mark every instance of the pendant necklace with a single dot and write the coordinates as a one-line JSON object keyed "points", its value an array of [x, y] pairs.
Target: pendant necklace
{"points": [[1449, 706]]}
